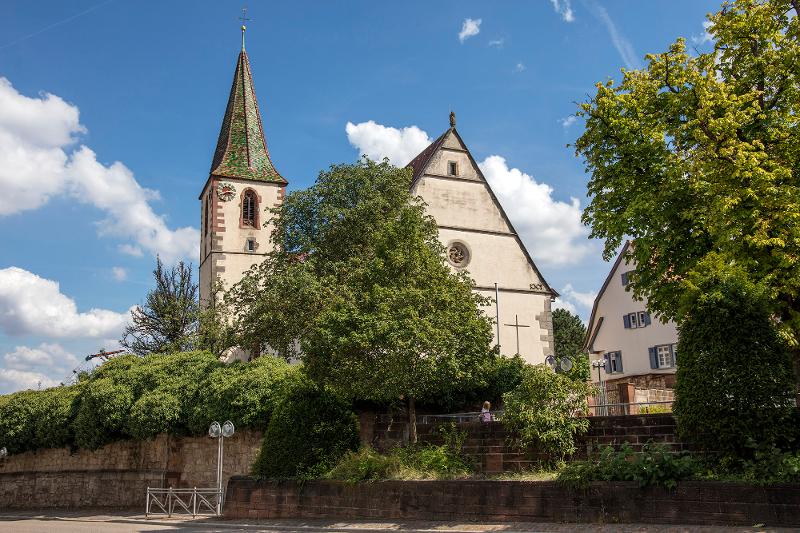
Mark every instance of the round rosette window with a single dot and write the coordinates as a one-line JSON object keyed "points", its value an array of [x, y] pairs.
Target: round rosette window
{"points": [[458, 254]]}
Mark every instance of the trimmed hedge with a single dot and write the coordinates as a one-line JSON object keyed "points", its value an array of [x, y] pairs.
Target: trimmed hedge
{"points": [[309, 432], [140, 397], [735, 384]]}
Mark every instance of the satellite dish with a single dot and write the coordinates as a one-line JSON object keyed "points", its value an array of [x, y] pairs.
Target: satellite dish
{"points": [[550, 361], [565, 364]]}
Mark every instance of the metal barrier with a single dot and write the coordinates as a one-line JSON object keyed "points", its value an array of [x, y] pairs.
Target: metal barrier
{"points": [[194, 502], [637, 408]]}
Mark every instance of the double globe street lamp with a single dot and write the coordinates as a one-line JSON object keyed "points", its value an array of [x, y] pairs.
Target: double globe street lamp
{"points": [[217, 431]]}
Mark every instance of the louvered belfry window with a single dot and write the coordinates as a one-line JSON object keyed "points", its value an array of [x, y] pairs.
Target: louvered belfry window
{"points": [[249, 209]]}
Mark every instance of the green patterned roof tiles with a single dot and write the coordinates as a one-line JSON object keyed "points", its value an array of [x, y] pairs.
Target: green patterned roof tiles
{"points": [[241, 148]]}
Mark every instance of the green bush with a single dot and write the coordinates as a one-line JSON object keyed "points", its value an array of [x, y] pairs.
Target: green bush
{"points": [[310, 430], [366, 465], [543, 411], [102, 413], [153, 413], [139, 397], [734, 379], [17, 415], [500, 375], [410, 462], [655, 465], [245, 393], [52, 422]]}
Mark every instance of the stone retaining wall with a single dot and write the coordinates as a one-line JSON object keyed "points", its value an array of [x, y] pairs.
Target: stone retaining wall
{"points": [[117, 475], [69, 479], [516, 501]]}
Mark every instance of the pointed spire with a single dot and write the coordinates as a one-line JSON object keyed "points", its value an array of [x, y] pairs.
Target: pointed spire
{"points": [[241, 148]]}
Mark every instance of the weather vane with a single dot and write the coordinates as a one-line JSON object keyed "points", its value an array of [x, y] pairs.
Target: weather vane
{"points": [[244, 20]]}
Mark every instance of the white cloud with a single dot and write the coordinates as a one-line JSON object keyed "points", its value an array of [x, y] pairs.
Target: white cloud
{"points": [[623, 46], [559, 303], [37, 162], [705, 37], [551, 229], [469, 28], [31, 368], [568, 121], [33, 305], [377, 141], [131, 250], [119, 273], [564, 8], [519, 67], [583, 299], [497, 43]]}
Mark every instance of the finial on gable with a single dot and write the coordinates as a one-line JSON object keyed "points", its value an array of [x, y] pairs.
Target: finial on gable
{"points": [[452, 119]]}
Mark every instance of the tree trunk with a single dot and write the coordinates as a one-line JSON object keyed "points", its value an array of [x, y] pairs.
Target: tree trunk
{"points": [[412, 421]]}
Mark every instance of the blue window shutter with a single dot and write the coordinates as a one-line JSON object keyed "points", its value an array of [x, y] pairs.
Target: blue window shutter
{"points": [[619, 361], [626, 320], [646, 318], [607, 358], [653, 357], [624, 279]]}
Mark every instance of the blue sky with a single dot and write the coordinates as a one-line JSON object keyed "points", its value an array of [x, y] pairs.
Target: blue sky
{"points": [[109, 113]]}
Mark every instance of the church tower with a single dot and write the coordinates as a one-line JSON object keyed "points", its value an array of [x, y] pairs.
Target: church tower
{"points": [[242, 186], [479, 238]]}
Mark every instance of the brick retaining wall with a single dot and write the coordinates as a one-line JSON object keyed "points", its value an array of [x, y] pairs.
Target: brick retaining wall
{"points": [[490, 448], [516, 501]]}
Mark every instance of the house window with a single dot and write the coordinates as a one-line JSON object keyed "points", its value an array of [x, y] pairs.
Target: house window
{"points": [[636, 320], [249, 208], [613, 362], [452, 168], [663, 356], [251, 245], [626, 277]]}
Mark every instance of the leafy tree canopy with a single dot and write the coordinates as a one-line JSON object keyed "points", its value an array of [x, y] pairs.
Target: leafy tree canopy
{"points": [[361, 280], [697, 158]]}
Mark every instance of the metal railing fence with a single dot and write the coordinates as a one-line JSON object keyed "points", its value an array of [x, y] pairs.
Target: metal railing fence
{"points": [[185, 501]]}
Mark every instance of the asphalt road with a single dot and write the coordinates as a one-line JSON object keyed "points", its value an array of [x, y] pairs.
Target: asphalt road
{"points": [[124, 523]]}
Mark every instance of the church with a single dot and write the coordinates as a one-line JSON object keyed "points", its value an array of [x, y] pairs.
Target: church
{"points": [[243, 184]]}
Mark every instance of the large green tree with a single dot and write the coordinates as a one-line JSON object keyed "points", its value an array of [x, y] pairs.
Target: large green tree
{"points": [[697, 158], [360, 280]]}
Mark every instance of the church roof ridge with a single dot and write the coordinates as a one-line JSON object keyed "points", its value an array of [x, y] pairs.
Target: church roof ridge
{"points": [[242, 147]]}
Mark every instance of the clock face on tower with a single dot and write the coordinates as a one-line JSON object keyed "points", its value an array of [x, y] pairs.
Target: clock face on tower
{"points": [[226, 191]]}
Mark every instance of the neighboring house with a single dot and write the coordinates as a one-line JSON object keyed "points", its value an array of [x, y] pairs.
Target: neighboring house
{"points": [[637, 348]]}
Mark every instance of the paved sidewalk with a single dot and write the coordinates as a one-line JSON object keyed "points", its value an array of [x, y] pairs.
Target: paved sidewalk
{"points": [[77, 522]]}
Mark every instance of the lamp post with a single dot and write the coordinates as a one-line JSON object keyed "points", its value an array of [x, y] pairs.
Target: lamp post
{"points": [[220, 432], [601, 391]]}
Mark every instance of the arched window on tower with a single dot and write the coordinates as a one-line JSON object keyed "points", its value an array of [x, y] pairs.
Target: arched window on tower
{"points": [[249, 208], [207, 218]]}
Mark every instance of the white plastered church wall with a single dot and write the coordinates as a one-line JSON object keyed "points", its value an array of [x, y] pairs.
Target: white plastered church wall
{"points": [[466, 212]]}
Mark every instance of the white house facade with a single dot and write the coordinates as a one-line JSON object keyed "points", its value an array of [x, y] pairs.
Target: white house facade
{"points": [[636, 347]]}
